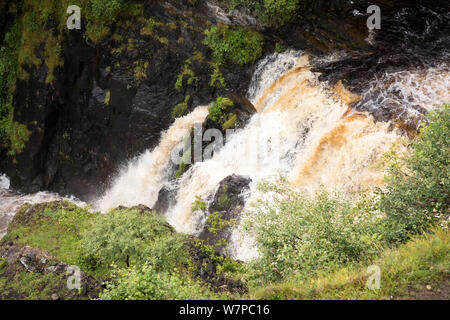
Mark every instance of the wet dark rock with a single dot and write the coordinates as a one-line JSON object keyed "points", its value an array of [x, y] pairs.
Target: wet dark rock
{"points": [[166, 197], [227, 204], [206, 269]]}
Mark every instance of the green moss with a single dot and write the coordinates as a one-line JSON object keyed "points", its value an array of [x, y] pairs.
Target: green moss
{"points": [[224, 201], [231, 122], [186, 73], [3, 264], [181, 169], [149, 29], [107, 97], [140, 70], [279, 48], [32, 286], [219, 111], [181, 109], [238, 46], [150, 25], [217, 80]]}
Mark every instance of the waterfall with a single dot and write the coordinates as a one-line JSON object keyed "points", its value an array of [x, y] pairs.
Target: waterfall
{"points": [[303, 130], [140, 181]]}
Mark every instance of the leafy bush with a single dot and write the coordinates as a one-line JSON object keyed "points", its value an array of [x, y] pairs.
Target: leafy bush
{"points": [[238, 46], [300, 235], [422, 260], [122, 236], [417, 193], [218, 111], [145, 283]]}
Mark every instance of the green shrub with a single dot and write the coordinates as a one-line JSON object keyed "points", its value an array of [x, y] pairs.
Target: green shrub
{"points": [[145, 283], [417, 192], [181, 109], [218, 111], [237, 46], [300, 235], [423, 260], [122, 236]]}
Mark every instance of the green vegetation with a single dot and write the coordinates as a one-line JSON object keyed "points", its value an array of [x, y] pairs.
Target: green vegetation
{"points": [[42, 24], [238, 46], [217, 80], [107, 97], [145, 283], [424, 260], [198, 204], [274, 12], [187, 72], [125, 237], [300, 235], [279, 48], [310, 247], [181, 169], [55, 227], [181, 109], [32, 286], [106, 9], [13, 135], [231, 122], [279, 12], [224, 200], [220, 113], [149, 29], [418, 184], [140, 71], [216, 223]]}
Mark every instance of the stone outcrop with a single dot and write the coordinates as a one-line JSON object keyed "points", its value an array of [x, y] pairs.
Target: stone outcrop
{"points": [[17, 260]]}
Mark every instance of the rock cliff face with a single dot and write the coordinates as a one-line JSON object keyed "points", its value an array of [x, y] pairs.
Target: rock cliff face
{"points": [[110, 101]]}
